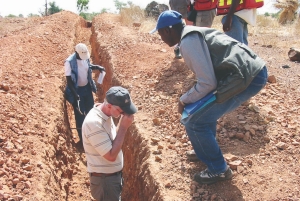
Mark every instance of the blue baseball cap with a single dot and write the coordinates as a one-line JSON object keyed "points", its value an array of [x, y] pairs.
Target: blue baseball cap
{"points": [[167, 18]]}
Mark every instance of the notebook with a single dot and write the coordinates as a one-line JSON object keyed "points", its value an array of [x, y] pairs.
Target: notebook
{"points": [[190, 109]]}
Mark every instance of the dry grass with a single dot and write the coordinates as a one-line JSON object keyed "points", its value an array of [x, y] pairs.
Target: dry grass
{"points": [[147, 25], [133, 14], [267, 26], [267, 21], [297, 27], [288, 10]]}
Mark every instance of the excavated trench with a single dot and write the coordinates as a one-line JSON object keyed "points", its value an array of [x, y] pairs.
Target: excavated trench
{"points": [[139, 183]]}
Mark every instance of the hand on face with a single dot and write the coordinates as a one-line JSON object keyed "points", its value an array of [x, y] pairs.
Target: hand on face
{"points": [[126, 120]]}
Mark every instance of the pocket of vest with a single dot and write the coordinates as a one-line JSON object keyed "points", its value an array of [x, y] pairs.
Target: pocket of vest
{"points": [[247, 49], [229, 86]]}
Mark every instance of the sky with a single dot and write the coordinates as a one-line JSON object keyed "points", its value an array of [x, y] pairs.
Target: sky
{"points": [[26, 7]]}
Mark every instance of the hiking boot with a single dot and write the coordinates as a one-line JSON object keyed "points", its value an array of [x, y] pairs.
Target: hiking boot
{"points": [[206, 177], [191, 155], [177, 53]]}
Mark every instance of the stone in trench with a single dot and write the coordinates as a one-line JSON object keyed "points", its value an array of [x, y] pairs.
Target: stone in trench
{"points": [[196, 195], [15, 181], [160, 147], [249, 162], [25, 160], [155, 140], [28, 167], [173, 140], [168, 185], [156, 121], [157, 152], [158, 158], [5, 87], [191, 155], [230, 157], [252, 131], [233, 164], [136, 24], [239, 136], [247, 137], [240, 169], [266, 138], [272, 79], [254, 108], [281, 145], [245, 181]]}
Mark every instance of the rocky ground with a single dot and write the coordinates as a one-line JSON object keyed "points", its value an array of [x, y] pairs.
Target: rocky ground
{"points": [[39, 157]]}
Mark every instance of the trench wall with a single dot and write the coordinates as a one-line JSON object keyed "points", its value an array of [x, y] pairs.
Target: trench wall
{"points": [[139, 183], [36, 116]]}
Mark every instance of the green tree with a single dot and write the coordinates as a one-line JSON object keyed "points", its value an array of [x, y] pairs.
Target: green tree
{"points": [[21, 15], [82, 5], [104, 10], [11, 15], [88, 16], [53, 8], [130, 3], [33, 15], [275, 15], [119, 5]]}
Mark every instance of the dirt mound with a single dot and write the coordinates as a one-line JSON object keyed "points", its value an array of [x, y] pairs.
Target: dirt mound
{"points": [[39, 159]]}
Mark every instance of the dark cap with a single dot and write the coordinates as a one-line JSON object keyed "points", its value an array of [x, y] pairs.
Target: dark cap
{"points": [[119, 96]]}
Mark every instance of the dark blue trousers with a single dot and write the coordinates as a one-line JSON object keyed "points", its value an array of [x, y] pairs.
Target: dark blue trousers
{"points": [[86, 103]]}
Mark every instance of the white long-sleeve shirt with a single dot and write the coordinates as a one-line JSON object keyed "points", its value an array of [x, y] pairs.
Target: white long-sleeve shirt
{"points": [[249, 15]]}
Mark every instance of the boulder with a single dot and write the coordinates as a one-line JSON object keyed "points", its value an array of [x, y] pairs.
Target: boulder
{"points": [[154, 9], [294, 54]]}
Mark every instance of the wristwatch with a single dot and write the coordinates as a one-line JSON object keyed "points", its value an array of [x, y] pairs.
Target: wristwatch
{"points": [[182, 103]]}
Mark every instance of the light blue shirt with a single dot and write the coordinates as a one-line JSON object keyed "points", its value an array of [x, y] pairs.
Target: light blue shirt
{"points": [[197, 57]]}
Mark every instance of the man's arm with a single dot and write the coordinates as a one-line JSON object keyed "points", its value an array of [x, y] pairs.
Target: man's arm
{"points": [[228, 21], [124, 123], [71, 86], [97, 67], [197, 57]]}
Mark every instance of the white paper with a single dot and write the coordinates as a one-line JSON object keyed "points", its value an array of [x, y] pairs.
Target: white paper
{"points": [[101, 77]]}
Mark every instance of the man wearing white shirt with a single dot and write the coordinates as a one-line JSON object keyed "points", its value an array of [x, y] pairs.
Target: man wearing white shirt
{"points": [[103, 141], [80, 85]]}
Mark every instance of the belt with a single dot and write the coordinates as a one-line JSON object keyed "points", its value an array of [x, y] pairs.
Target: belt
{"points": [[95, 174]]}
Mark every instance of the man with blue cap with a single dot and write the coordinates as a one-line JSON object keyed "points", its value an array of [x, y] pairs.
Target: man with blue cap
{"points": [[220, 64]]}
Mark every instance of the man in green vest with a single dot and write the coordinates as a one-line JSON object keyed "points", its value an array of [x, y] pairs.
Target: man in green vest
{"points": [[220, 64]]}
